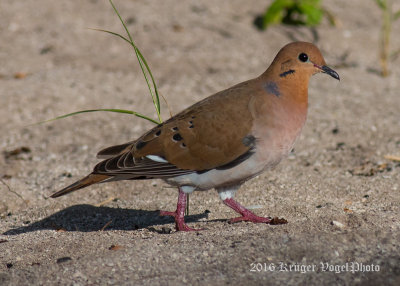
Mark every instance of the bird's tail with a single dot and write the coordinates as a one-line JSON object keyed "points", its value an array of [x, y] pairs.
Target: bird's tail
{"points": [[82, 183]]}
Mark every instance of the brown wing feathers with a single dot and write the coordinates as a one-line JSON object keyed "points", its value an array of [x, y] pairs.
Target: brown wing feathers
{"points": [[195, 140], [113, 150], [125, 164]]}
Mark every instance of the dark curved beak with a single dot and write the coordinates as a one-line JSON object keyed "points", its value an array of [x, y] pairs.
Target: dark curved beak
{"points": [[328, 70]]}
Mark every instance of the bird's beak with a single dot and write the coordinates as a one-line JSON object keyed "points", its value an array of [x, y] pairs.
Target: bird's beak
{"points": [[328, 70]]}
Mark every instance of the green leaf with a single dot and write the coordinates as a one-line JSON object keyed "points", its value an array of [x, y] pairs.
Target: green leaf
{"points": [[312, 12], [104, 109], [275, 12]]}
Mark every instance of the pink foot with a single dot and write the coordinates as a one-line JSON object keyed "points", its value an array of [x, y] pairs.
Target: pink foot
{"points": [[179, 214], [246, 214]]}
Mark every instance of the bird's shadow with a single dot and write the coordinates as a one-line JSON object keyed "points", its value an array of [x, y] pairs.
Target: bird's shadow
{"points": [[87, 218]]}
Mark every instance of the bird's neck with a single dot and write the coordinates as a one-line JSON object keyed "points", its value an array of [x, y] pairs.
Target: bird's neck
{"points": [[296, 90], [289, 86]]}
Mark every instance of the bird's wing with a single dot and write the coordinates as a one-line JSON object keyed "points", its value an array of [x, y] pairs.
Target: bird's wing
{"points": [[205, 136]]}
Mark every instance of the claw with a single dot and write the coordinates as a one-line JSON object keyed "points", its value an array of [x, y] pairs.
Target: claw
{"points": [[246, 214]]}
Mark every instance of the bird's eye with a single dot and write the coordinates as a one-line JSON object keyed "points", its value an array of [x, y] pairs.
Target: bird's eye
{"points": [[303, 57]]}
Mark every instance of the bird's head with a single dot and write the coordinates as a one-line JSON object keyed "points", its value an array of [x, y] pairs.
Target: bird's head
{"points": [[301, 58]]}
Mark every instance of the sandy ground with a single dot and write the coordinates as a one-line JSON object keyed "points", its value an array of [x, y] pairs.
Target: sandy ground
{"points": [[337, 190]]}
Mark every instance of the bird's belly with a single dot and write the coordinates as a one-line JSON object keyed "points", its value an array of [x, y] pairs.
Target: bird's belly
{"points": [[219, 178]]}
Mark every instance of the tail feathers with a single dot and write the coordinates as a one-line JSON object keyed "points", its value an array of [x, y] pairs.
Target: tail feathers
{"points": [[82, 183]]}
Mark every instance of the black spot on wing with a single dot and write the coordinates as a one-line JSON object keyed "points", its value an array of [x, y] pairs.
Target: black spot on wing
{"points": [[140, 144], [177, 137], [284, 74]]}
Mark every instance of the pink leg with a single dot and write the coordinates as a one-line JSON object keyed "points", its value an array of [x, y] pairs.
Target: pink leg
{"points": [[179, 214], [246, 214]]}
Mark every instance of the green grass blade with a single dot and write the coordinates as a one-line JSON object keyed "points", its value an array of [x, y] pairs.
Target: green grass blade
{"points": [[142, 61], [105, 109], [122, 21], [154, 97], [112, 33], [381, 4], [152, 78]]}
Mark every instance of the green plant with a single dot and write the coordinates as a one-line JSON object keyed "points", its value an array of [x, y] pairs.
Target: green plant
{"points": [[149, 81], [388, 17], [292, 12], [146, 73]]}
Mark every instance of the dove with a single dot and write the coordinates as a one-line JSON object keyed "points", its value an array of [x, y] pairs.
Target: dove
{"points": [[223, 140]]}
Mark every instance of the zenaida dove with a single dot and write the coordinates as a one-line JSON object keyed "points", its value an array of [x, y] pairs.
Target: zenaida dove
{"points": [[223, 140]]}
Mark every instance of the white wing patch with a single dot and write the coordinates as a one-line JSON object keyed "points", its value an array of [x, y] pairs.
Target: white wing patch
{"points": [[156, 158]]}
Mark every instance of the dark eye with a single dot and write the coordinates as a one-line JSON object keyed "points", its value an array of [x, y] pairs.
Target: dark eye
{"points": [[303, 57]]}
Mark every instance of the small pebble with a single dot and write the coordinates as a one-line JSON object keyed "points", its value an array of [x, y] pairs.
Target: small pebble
{"points": [[338, 224], [63, 259]]}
